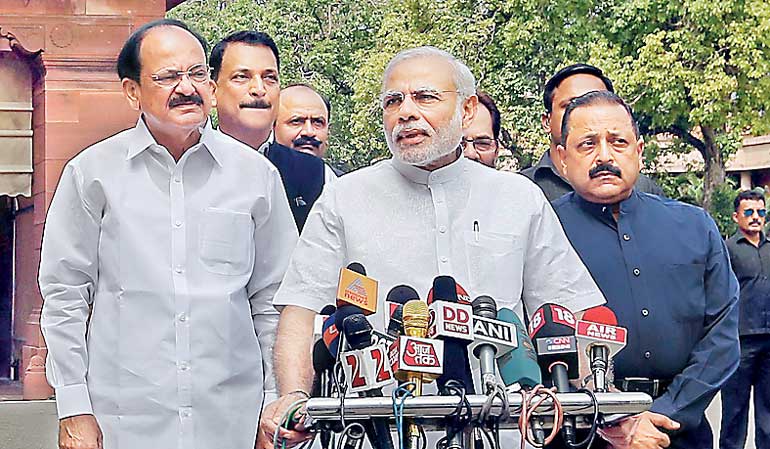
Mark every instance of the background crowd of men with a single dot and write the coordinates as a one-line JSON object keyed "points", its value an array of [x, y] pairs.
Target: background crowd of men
{"points": [[179, 260]]}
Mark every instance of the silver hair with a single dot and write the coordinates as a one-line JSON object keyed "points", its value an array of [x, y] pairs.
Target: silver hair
{"points": [[465, 82]]}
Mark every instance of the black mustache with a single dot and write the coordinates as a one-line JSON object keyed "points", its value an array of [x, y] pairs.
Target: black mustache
{"points": [[185, 99], [594, 172], [256, 104], [756, 222], [306, 140]]}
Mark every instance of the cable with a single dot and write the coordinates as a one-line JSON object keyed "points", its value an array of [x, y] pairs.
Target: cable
{"points": [[348, 434], [530, 402], [462, 414], [286, 418], [399, 396], [594, 423]]}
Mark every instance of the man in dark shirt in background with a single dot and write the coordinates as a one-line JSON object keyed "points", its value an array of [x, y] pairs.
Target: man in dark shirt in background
{"points": [[750, 259], [664, 270], [568, 83]]}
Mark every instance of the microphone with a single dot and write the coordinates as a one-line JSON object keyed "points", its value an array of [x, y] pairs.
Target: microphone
{"points": [[396, 322], [355, 288], [323, 363], [330, 332], [599, 335], [485, 307], [457, 365], [519, 365], [396, 297], [370, 359], [552, 328]]}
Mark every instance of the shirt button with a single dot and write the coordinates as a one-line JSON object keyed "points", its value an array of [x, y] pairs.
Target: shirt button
{"points": [[444, 260], [186, 413], [637, 272], [626, 237], [647, 355], [645, 312], [182, 317], [442, 229], [178, 180], [184, 366], [178, 269]]}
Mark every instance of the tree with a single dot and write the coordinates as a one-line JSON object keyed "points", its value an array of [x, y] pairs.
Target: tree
{"points": [[697, 70]]}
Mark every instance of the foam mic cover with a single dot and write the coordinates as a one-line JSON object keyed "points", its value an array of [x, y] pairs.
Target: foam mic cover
{"points": [[401, 294], [332, 325], [552, 330], [601, 314], [456, 364], [357, 267], [358, 331], [445, 284], [519, 365], [328, 309], [322, 362]]}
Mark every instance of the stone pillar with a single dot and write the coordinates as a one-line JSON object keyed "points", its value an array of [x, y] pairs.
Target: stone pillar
{"points": [[746, 180]]}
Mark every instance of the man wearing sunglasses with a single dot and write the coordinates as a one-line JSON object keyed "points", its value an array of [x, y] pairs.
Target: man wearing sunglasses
{"points": [[750, 258], [160, 244], [481, 139]]}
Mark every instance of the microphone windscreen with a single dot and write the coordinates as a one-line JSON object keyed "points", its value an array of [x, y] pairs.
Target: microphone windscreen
{"points": [[401, 294], [485, 306], [444, 289], [357, 267], [328, 309], [519, 365], [358, 331], [553, 334], [332, 326], [551, 320], [322, 359], [601, 314]]}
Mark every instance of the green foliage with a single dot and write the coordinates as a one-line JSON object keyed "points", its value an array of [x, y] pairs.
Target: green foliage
{"points": [[688, 187], [685, 65]]}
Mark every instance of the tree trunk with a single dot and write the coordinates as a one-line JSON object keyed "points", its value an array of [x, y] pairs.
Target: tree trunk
{"points": [[714, 166]]}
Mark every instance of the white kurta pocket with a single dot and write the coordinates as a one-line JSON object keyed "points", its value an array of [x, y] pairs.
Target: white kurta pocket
{"points": [[226, 241], [491, 258]]}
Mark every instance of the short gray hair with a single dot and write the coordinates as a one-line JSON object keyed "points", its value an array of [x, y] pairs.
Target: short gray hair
{"points": [[465, 82]]}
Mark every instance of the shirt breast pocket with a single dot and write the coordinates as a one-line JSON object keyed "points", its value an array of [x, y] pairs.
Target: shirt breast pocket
{"points": [[494, 266], [686, 280], [226, 241]]}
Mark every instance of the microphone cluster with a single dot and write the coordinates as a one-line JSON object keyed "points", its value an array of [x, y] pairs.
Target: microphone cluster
{"points": [[431, 341]]}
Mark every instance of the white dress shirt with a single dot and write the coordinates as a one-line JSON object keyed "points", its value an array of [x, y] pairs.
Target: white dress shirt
{"points": [[494, 232], [170, 259]]}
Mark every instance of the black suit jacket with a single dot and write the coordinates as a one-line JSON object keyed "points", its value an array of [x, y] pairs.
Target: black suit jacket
{"points": [[303, 179]]}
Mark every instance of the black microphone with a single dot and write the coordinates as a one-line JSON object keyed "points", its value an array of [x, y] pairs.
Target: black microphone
{"points": [[401, 294], [358, 333], [357, 267], [456, 364], [552, 329], [485, 306], [396, 323], [323, 363], [328, 309]]}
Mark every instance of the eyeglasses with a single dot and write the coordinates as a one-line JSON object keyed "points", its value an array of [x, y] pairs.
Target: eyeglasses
{"points": [[749, 212], [198, 73], [482, 144], [424, 99]]}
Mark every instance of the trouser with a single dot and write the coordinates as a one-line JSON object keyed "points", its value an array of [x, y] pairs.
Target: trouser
{"points": [[754, 370]]}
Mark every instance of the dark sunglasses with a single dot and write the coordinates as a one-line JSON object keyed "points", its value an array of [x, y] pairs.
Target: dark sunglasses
{"points": [[749, 212]]}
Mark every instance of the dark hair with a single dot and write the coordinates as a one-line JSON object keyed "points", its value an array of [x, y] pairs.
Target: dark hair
{"points": [[752, 194], [489, 103], [249, 37], [326, 101], [566, 72], [129, 62], [590, 98]]}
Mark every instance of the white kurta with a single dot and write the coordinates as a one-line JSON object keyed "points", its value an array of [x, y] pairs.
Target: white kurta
{"points": [[494, 232], [173, 258]]}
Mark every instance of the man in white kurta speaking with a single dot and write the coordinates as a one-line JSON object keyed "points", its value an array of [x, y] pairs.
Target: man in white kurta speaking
{"points": [[167, 236], [428, 211]]}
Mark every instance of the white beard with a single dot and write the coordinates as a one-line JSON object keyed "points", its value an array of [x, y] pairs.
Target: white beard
{"points": [[441, 142]]}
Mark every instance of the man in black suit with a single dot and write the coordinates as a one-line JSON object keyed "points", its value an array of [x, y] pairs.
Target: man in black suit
{"points": [[245, 67]]}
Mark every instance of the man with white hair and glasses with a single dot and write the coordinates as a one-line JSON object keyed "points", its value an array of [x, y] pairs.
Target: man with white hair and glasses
{"points": [[421, 214]]}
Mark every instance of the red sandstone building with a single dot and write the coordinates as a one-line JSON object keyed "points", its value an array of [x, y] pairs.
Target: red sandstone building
{"points": [[59, 93]]}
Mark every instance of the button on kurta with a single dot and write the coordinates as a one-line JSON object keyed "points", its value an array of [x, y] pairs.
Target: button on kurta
{"points": [[626, 237], [645, 312], [637, 272], [647, 355]]}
